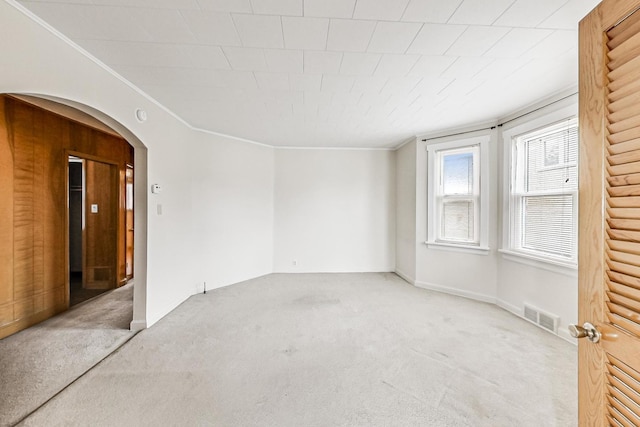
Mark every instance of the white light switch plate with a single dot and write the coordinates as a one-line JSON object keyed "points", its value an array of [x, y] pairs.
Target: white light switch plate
{"points": [[94, 208]]}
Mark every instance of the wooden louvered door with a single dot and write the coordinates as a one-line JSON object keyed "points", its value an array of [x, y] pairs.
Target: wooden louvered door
{"points": [[609, 250]]}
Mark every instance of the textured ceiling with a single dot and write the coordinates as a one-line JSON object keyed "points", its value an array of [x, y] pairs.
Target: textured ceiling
{"points": [[331, 73]]}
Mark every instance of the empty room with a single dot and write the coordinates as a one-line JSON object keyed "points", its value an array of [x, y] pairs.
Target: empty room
{"points": [[320, 212]]}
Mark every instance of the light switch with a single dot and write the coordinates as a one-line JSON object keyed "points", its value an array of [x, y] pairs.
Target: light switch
{"points": [[94, 208]]}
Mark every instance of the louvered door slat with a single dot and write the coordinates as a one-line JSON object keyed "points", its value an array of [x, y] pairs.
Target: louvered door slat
{"points": [[624, 279], [621, 267], [624, 323], [629, 236], [613, 422], [624, 202], [622, 32], [619, 89], [624, 290], [624, 147], [629, 303], [627, 190], [622, 246], [623, 158], [627, 135], [623, 257], [624, 213], [625, 169]]}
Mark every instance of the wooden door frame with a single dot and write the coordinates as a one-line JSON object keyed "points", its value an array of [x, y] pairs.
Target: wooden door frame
{"points": [[83, 156], [592, 198]]}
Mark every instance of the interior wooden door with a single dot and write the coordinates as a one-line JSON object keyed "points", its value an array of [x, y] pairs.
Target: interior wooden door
{"points": [[101, 221], [609, 250]]}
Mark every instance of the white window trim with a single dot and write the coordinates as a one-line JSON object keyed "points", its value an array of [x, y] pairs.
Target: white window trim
{"points": [[508, 252], [483, 210]]}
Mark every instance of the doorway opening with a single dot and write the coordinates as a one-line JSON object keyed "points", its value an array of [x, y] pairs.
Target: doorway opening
{"points": [[93, 218]]}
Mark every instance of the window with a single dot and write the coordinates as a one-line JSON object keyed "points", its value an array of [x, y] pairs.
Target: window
{"points": [[544, 186], [456, 196]]}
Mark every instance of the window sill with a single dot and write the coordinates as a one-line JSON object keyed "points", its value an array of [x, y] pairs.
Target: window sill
{"points": [[478, 250], [566, 268]]}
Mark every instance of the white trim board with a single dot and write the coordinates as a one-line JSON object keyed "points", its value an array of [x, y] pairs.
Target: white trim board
{"points": [[456, 292]]}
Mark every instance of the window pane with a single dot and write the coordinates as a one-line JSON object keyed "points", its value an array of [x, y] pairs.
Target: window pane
{"points": [[457, 221], [457, 173], [551, 161], [548, 224]]}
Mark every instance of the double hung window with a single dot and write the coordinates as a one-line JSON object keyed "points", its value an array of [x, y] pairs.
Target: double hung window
{"points": [[457, 192], [543, 196]]}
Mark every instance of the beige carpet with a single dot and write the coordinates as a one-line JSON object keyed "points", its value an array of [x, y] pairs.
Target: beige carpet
{"points": [[328, 350], [38, 362]]}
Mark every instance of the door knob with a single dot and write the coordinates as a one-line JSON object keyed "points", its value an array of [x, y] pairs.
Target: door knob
{"points": [[587, 330]]}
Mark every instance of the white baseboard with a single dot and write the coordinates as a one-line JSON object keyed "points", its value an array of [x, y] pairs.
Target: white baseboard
{"points": [[406, 277], [562, 331], [137, 325], [456, 292], [510, 308]]}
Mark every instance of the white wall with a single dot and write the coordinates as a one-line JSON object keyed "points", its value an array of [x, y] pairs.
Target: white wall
{"points": [[334, 210], [406, 211], [233, 206], [468, 274], [170, 259]]}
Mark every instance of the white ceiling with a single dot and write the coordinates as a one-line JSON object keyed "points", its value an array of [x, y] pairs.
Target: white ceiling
{"points": [[331, 73]]}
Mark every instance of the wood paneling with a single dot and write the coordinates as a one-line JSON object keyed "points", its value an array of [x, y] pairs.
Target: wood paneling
{"points": [[34, 147]]}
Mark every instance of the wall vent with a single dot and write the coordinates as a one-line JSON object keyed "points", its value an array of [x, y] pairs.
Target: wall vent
{"points": [[544, 320]]}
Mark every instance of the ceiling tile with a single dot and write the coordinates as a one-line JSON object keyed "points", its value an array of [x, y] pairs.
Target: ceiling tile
{"points": [[556, 44], [432, 86], [305, 82], [329, 8], [337, 83], [400, 85], [245, 58], [393, 37], [369, 84], [350, 35], [359, 63], [259, 30], [435, 39], [138, 53], [396, 65], [234, 79], [475, 41], [501, 68], [164, 25], [277, 7], [272, 81], [206, 56], [467, 66], [382, 10], [236, 6], [284, 61], [517, 42], [157, 4], [212, 27], [568, 16], [479, 12], [431, 66], [305, 33], [527, 13], [320, 62], [435, 11], [92, 22]]}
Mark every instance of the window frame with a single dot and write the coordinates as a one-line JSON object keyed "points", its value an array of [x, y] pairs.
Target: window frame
{"points": [[510, 249], [435, 200]]}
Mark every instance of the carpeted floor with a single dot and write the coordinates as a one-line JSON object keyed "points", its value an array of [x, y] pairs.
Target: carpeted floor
{"points": [[38, 362], [328, 350]]}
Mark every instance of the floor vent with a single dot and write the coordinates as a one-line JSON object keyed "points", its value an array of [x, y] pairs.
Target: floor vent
{"points": [[542, 319]]}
